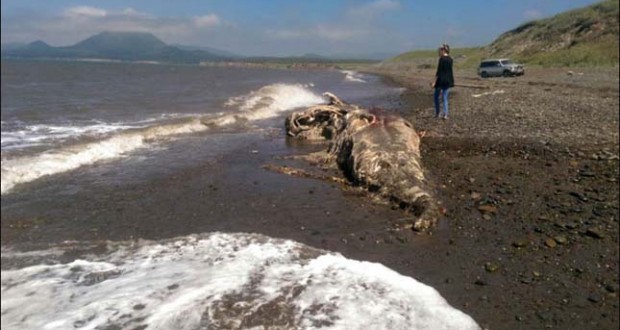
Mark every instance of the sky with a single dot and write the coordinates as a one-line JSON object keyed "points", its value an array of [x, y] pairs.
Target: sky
{"points": [[279, 27]]}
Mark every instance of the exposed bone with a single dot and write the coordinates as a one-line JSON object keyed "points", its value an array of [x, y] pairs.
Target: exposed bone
{"points": [[319, 122], [334, 100]]}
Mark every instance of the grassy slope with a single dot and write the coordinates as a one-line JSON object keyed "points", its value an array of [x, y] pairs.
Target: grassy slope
{"points": [[424, 59], [581, 37]]}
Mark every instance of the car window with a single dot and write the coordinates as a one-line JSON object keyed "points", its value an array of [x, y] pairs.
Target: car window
{"points": [[507, 62]]}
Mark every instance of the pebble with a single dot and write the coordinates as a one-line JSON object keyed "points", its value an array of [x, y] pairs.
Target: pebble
{"points": [[587, 174], [545, 316], [561, 239], [491, 267], [520, 243], [480, 282], [570, 225], [487, 208], [550, 242], [579, 196], [402, 239], [502, 191], [595, 232]]}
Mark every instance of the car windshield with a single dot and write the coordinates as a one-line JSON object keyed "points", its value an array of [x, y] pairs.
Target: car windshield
{"points": [[507, 62]]}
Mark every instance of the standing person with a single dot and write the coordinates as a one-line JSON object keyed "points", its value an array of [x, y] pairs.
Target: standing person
{"points": [[444, 80]]}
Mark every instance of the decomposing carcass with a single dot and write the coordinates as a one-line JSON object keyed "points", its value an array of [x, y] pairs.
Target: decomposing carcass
{"points": [[375, 149]]}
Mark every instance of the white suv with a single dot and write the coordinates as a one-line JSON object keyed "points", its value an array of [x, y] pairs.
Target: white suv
{"points": [[499, 67]]}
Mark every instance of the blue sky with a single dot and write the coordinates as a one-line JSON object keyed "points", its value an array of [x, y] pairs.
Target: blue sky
{"points": [[279, 27]]}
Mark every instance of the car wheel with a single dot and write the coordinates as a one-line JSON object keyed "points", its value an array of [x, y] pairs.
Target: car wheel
{"points": [[484, 74], [506, 73]]}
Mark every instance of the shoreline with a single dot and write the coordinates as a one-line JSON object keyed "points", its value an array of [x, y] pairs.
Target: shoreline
{"points": [[529, 239], [532, 198]]}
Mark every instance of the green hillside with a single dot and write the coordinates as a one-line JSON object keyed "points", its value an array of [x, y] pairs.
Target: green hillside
{"points": [[585, 36], [424, 59], [582, 37]]}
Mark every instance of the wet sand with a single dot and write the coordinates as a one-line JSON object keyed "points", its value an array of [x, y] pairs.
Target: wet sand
{"points": [[529, 240]]}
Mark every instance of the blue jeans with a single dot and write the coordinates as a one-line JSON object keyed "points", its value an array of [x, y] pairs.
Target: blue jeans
{"points": [[445, 92]]}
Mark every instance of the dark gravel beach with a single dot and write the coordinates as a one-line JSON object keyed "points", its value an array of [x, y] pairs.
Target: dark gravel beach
{"points": [[526, 168]]}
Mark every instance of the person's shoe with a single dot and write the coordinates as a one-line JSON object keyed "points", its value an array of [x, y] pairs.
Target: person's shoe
{"points": [[444, 117]]}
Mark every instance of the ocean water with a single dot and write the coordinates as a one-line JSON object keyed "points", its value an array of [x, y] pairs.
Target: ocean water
{"points": [[58, 117], [70, 126]]}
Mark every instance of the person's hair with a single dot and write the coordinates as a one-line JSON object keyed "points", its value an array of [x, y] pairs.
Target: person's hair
{"points": [[445, 47]]}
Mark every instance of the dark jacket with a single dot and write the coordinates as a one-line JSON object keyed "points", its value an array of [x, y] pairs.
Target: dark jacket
{"points": [[445, 78]]}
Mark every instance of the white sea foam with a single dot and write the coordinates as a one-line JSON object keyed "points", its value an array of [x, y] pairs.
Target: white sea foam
{"points": [[32, 135], [353, 76], [220, 281], [29, 168], [271, 100], [22, 135], [266, 102]]}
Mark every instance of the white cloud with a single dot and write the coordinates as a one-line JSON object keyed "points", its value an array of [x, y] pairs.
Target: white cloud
{"points": [[373, 8], [327, 32], [281, 37], [74, 24], [133, 13], [338, 33], [207, 21], [286, 34], [85, 11], [532, 14], [358, 22]]}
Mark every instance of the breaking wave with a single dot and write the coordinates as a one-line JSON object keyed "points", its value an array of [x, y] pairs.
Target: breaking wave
{"points": [[217, 281], [28, 168], [353, 76], [19, 135], [122, 139], [269, 101]]}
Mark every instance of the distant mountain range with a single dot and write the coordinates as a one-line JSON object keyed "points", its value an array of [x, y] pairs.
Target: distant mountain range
{"points": [[139, 46], [215, 51], [123, 46]]}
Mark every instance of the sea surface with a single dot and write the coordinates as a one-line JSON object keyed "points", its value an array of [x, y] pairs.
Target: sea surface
{"points": [[63, 116], [70, 127]]}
